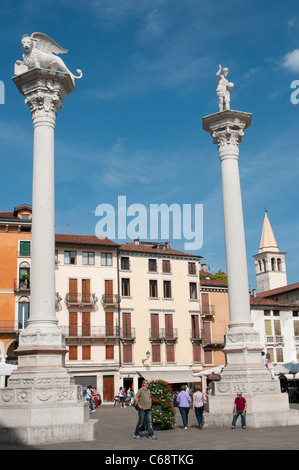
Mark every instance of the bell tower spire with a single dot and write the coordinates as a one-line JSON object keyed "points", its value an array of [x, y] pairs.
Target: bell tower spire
{"points": [[270, 266]]}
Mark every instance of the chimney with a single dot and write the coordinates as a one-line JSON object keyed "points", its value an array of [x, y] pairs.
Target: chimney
{"points": [[137, 241], [167, 245], [204, 267]]}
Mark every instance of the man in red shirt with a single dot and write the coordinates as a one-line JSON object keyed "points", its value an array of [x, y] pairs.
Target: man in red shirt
{"points": [[240, 406]]}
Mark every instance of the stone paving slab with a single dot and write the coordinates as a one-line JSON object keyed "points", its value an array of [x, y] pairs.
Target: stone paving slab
{"points": [[117, 427]]}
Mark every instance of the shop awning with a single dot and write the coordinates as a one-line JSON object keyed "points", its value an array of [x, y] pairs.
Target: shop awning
{"points": [[214, 371], [172, 377], [6, 369]]}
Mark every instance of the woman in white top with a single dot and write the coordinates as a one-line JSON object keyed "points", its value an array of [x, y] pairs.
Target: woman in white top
{"points": [[199, 400]]}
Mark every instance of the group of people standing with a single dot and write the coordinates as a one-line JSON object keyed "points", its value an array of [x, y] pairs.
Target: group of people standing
{"points": [[125, 397]]}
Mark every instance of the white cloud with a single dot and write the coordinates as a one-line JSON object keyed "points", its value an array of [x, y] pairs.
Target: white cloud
{"points": [[291, 60]]}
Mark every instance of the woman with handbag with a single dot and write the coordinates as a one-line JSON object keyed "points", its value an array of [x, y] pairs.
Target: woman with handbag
{"points": [[184, 400]]}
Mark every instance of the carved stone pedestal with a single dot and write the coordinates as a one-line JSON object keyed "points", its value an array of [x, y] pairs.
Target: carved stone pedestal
{"points": [[42, 404]]}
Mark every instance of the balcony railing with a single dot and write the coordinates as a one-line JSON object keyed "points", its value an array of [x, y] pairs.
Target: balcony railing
{"points": [[274, 339], [90, 331], [163, 334], [80, 299], [111, 299], [196, 335], [127, 333], [213, 340], [207, 310], [20, 284]]}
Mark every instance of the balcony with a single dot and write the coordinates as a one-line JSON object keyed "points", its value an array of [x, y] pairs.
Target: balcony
{"points": [[110, 299], [170, 334], [82, 300], [196, 335], [274, 340], [207, 310], [127, 334], [163, 334], [213, 340], [88, 331], [21, 285]]}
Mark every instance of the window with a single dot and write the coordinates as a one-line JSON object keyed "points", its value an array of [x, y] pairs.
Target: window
{"points": [[192, 290], [152, 265], [166, 266], [278, 264], [88, 257], [73, 353], [156, 353], [23, 315], [24, 249], [56, 256], [106, 259], [127, 352], [109, 351], [196, 352], [153, 288], [125, 263], [70, 257], [208, 356], [25, 216], [125, 287], [86, 352], [170, 353], [191, 268], [167, 289]]}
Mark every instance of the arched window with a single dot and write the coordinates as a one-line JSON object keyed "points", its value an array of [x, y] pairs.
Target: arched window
{"points": [[278, 264], [260, 266], [273, 264], [264, 265]]}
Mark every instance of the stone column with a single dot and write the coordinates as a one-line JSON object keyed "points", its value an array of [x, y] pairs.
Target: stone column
{"points": [[45, 91], [244, 370], [42, 403]]}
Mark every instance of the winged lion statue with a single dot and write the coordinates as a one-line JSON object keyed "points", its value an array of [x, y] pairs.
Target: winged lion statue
{"points": [[39, 51]]}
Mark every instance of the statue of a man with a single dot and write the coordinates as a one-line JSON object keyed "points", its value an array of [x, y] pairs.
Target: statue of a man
{"points": [[223, 89]]}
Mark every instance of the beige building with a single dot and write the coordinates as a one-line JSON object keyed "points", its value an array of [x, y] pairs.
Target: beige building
{"points": [[159, 313], [87, 309]]}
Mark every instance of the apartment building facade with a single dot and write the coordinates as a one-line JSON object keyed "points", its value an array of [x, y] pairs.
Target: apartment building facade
{"points": [[159, 313], [87, 309]]}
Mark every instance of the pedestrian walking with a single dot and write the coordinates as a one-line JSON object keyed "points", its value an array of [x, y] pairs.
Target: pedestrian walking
{"points": [[89, 398], [240, 406], [270, 366], [144, 399], [199, 399], [184, 400]]}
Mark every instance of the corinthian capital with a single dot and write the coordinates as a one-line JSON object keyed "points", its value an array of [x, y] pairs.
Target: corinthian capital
{"points": [[227, 129], [44, 92]]}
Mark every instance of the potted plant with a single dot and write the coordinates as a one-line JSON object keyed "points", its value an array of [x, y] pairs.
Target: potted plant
{"points": [[163, 413], [25, 280]]}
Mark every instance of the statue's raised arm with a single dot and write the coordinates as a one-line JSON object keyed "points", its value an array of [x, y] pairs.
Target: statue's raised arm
{"points": [[223, 89], [39, 51]]}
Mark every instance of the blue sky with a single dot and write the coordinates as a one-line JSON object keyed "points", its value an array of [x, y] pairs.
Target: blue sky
{"points": [[133, 127]]}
